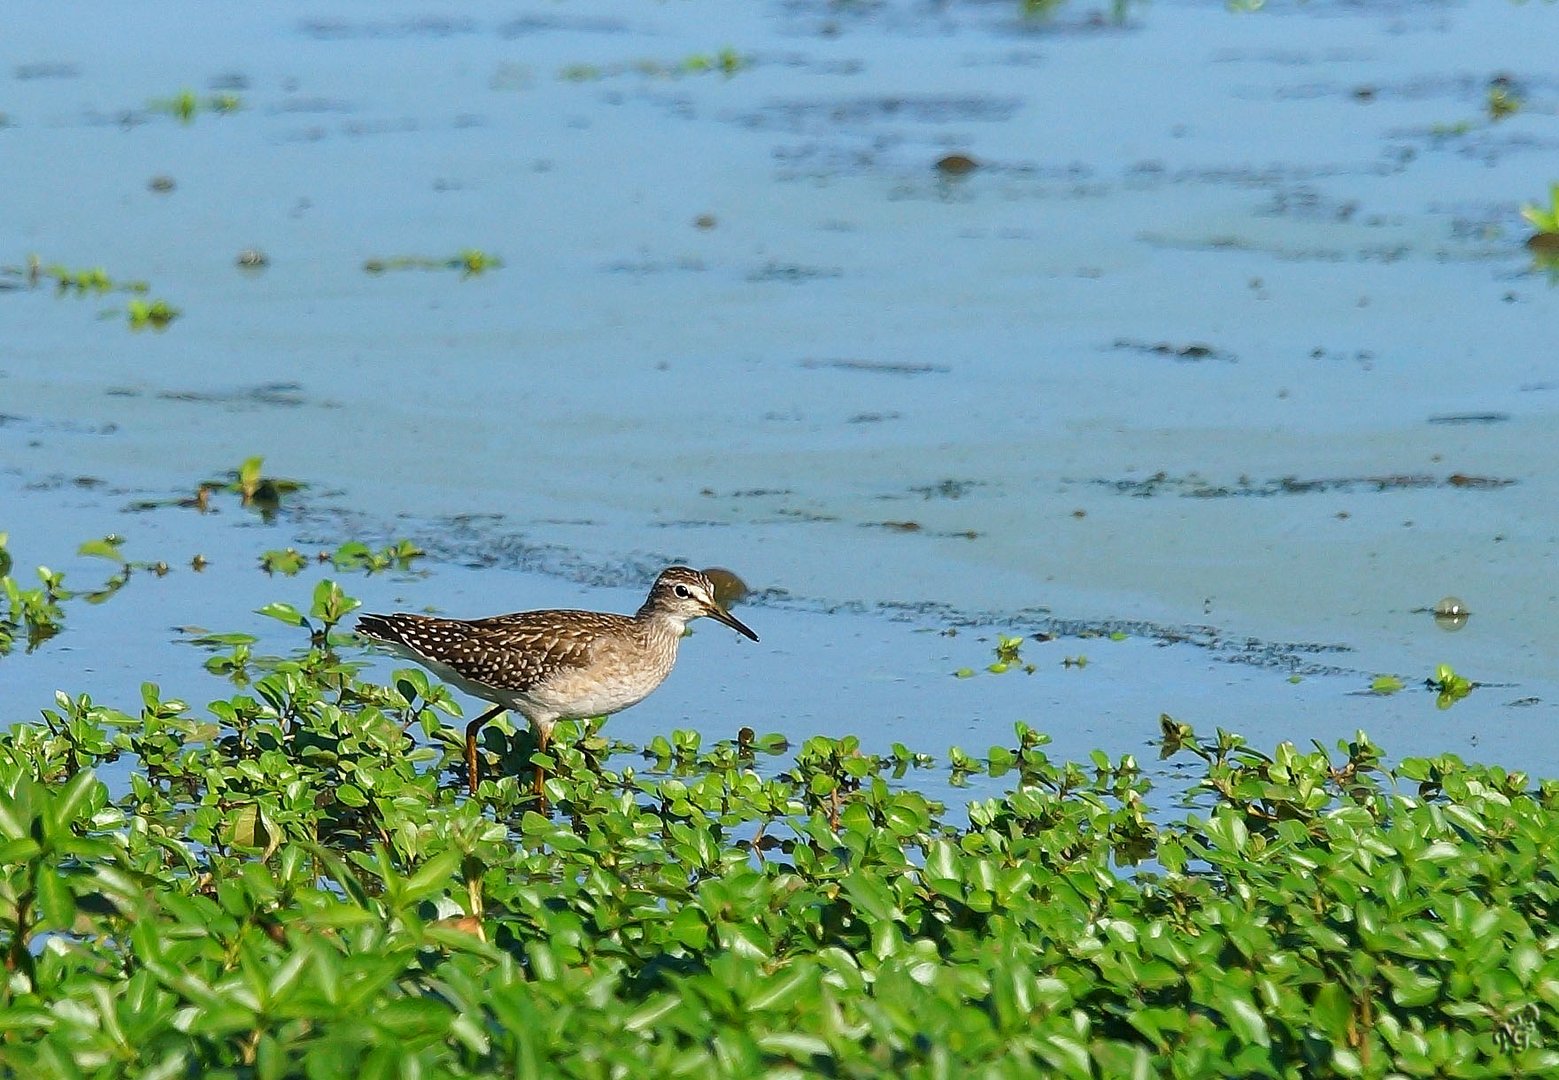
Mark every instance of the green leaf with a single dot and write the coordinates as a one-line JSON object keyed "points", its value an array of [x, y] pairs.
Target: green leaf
{"points": [[106, 548], [1246, 1021], [799, 1047], [283, 613], [434, 876], [56, 901]]}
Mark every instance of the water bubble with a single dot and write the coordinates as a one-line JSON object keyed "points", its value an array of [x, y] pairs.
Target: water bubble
{"points": [[1451, 613]]}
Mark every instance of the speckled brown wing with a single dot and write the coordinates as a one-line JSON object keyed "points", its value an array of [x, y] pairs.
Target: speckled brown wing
{"points": [[509, 652], [520, 651]]}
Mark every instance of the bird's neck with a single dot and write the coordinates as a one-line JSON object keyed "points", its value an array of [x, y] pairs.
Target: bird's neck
{"points": [[660, 624]]}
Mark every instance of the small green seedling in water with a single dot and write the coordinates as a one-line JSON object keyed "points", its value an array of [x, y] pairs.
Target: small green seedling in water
{"points": [[1450, 687], [1007, 650], [331, 605], [252, 486]]}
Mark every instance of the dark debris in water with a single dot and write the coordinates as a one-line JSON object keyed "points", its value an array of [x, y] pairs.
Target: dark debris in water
{"points": [[1197, 487], [1471, 418], [917, 527], [864, 112], [46, 70], [946, 489], [745, 493], [424, 26], [262, 395], [792, 273], [876, 367], [34, 424], [1192, 351], [526, 25]]}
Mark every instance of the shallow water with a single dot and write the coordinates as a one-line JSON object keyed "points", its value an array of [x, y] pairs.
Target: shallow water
{"points": [[744, 321]]}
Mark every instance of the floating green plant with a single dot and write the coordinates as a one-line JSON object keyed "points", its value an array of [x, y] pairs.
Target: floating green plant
{"points": [[1544, 243], [726, 61], [37, 614], [352, 555], [157, 314], [1501, 102], [1386, 684], [186, 105], [1008, 655], [469, 261], [1449, 687], [286, 561], [109, 548], [34, 614], [248, 481], [81, 282]]}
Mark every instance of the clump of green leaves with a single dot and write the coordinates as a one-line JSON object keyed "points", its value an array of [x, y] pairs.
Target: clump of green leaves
{"points": [[37, 614], [330, 605], [284, 561], [109, 548], [1449, 687], [1009, 654], [95, 281], [185, 105], [253, 487], [157, 314], [352, 555], [34, 614], [91, 280]]}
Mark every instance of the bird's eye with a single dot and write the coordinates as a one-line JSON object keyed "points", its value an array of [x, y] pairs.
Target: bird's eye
{"points": [[681, 591]]}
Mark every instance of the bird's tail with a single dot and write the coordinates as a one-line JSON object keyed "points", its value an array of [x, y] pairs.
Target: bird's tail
{"points": [[379, 627]]}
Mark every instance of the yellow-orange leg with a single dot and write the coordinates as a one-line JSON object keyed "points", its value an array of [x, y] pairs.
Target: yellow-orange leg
{"points": [[471, 729], [543, 740]]}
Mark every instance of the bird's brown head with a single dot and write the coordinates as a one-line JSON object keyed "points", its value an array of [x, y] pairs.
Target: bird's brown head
{"points": [[686, 594]]}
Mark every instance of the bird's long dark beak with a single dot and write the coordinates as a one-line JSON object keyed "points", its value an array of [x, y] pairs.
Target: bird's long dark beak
{"points": [[719, 614]]}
